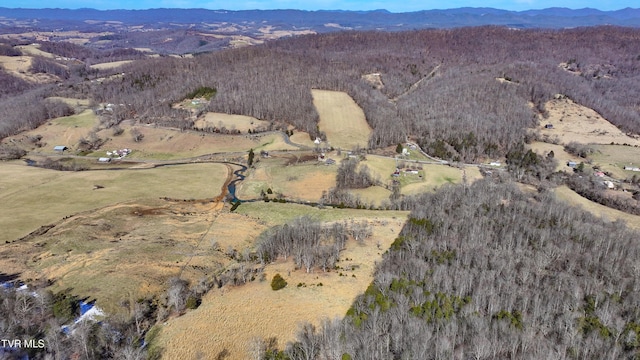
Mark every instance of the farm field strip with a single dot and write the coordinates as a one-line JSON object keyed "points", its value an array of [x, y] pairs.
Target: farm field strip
{"points": [[341, 119], [570, 196], [110, 65]]}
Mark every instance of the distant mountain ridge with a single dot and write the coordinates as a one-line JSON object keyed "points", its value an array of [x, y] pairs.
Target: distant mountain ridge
{"points": [[317, 20]]}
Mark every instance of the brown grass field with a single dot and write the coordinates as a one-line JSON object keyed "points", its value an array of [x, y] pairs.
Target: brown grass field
{"points": [[157, 143], [70, 36], [34, 49], [77, 103], [110, 65], [565, 194], [117, 242], [61, 131], [304, 181], [302, 138], [19, 66], [232, 122], [561, 156], [574, 122], [166, 144], [341, 119], [32, 197], [373, 195], [277, 213], [231, 317]]}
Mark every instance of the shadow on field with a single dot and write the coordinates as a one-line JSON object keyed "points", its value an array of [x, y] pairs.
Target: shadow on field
{"points": [[4, 277]]}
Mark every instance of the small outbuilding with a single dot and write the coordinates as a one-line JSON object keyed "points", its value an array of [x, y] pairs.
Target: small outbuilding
{"points": [[60, 148], [104, 159], [548, 126]]}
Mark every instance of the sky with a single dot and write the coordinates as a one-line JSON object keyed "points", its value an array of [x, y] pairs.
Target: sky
{"points": [[393, 6]]}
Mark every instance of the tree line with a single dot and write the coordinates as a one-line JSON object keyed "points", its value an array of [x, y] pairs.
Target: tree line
{"points": [[310, 243]]}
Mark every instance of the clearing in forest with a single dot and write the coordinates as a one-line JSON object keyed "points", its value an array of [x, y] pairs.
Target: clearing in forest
{"points": [[19, 66], [231, 317], [71, 101], [574, 122], [110, 65], [341, 119], [34, 49], [563, 193], [561, 156], [65, 131], [241, 123]]}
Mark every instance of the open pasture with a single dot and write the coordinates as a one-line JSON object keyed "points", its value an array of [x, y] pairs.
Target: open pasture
{"points": [[574, 122], [31, 197], [169, 144], [19, 66], [121, 252], [231, 122], [341, 119], [231, 317], [301, 138], [434, 177], [373, 195], [34, 49], [429, 176], [613, 158], [65, 131], [304, 181]]}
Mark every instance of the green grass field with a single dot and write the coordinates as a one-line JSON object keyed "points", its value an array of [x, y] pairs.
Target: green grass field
{"points": [[613, 158], [303, 181], [276, 213], [373, 195], [85, 119]]}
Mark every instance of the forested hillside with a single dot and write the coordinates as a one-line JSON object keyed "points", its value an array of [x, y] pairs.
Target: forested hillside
{"points": [[463, 93], [486, 272]]}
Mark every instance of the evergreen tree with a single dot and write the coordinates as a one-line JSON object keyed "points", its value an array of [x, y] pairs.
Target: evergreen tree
{"points": [[251, 155]]}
